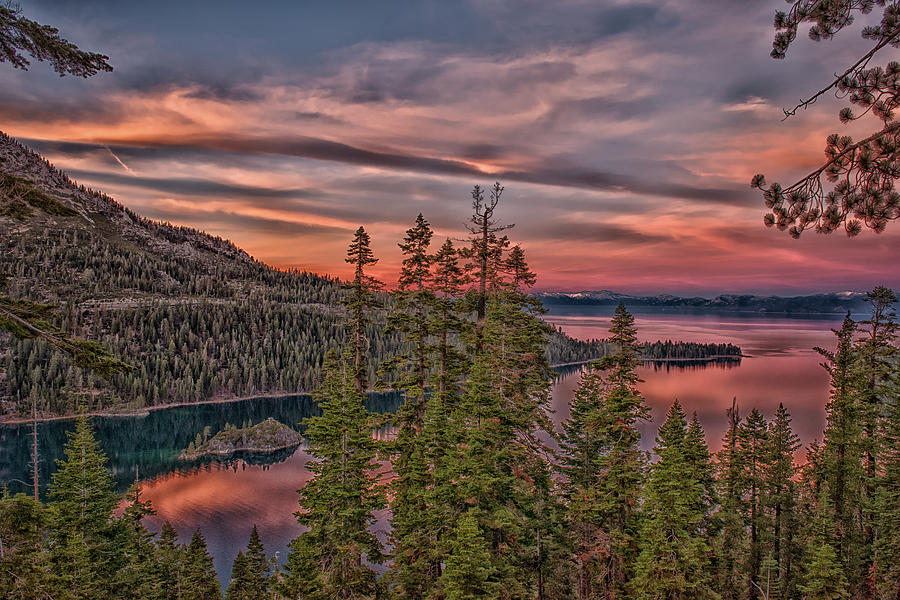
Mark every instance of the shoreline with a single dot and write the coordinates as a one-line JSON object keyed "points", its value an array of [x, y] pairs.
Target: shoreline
{"points": [[143, 412], [660, 360], [184, 457]]}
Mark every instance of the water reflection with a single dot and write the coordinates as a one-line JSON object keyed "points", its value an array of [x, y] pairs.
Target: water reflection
{"points": [[225, 497], [149, 445], [781, 367]]}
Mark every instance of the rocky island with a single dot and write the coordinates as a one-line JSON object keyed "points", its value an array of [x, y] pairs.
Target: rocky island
{"points": [[268, 436]]}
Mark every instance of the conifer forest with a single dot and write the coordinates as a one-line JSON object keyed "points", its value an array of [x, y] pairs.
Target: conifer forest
{"points": [[431, 385]]}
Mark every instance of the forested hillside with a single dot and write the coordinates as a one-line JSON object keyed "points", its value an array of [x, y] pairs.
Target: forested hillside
{"points": [[197, 317]]}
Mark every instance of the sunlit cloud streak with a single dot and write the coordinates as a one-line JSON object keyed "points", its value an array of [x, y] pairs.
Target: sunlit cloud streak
{"points": [[626, 132]]}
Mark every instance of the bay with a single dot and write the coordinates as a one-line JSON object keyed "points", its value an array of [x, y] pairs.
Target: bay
{"points": [[224, 498]]}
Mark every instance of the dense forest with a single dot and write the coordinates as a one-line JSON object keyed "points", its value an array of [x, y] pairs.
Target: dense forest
{"points": [[197, 317], [480, 505]]}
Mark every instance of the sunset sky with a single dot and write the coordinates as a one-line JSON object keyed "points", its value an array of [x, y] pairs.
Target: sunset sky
{"points": [[625, 132]]}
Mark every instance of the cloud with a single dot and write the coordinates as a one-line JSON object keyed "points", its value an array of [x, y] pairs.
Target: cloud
{"points": [[196, 187], [327, 150], [632, 127], [578, 232]]}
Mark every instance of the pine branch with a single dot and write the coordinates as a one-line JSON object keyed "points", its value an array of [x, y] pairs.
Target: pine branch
{"points": [[29, 320]]}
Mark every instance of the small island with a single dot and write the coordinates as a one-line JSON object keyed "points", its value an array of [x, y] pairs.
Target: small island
{"points": [[268, 436]]}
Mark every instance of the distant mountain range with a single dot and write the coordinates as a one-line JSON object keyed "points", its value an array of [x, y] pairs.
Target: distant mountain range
{"points": [[829, 303]]}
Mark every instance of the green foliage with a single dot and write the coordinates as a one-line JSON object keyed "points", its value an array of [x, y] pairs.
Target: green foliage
{"points": [[82, 556], [169, 570], [469, 574], [24, 571], [412, 540], [338, 503], [752, 454], [674, 555], [604, 437], [30, 320], [250, 572], [863, 193], [360, 302], [825, 576], [887, 549], [198, 575], [136, 579], [780, 502], [43, 43]]}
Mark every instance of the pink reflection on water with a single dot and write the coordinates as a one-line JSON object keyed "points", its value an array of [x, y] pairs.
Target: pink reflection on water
{"points": [[225, 501], [781, 368]]}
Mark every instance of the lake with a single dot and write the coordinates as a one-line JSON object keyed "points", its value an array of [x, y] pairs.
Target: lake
{"points": [[225, 498]]}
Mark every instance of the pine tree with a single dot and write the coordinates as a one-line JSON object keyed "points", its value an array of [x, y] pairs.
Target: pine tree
{"points": [[513, 352], [258, 565], [19, 34], [624, 462], [199, 580], [480, 470], [414, 572], [780, 495], [752, 449], [877, 358], [361, 302], [842, 463], [887, 545], [699, 458], [446, 322], [136, 578], [485, 252], [469, 574], [239, 576], [82, 556], [585, 441], [731, 546], [440, 433], [169, 563], [337, 504], [413, 299], [250, 572], [604, 465], [23, 562], [825, 577], [673, 559]]}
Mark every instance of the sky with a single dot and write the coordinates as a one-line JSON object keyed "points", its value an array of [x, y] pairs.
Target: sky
{"points": [[625, 132]]}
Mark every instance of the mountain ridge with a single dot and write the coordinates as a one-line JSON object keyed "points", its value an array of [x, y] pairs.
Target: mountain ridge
{"points": [[822, 303]]}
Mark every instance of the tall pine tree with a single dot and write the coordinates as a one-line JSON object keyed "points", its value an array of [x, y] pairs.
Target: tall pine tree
{"points": [[330, 559], [780, 500], [83, 556], [674, 556], [361, 302], [412, 542], [199, 580]]}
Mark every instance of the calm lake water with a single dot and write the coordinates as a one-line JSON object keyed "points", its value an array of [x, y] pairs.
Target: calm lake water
{"points": [[225, 498]]}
